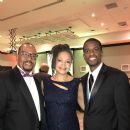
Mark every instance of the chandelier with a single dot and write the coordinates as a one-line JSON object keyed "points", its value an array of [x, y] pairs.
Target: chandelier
{"points": [[12, 34], [12, 38], [52, 35]]}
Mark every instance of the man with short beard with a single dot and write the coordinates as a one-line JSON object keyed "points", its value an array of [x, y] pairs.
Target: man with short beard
{"points": [[21, 100]]}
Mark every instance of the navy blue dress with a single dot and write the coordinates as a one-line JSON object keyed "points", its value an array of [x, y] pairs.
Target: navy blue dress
{"points": [[61, 104]]}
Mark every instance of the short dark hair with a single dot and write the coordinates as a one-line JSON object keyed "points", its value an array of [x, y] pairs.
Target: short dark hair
{"points": [[44, 68], [92, 40], [56, 50]]}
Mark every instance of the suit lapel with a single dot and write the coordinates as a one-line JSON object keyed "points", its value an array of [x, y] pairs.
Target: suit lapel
{"points": [[41, 100], [25, 91], [100, 79], [84, 83]]}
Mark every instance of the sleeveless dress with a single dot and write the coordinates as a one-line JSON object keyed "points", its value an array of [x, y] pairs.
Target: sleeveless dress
{"points": [[61, 104]]}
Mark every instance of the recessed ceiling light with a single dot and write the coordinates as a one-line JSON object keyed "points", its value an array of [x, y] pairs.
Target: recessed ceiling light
{"points": [[93, 15], [102, 24]]}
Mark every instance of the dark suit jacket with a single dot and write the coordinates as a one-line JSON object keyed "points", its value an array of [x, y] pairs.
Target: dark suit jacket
{"points": [[109, 105], [17, 109], [41, 76]]}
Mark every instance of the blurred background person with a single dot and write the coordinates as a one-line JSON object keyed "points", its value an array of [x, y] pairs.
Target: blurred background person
{"points": [[44, 68], [43, 72]]}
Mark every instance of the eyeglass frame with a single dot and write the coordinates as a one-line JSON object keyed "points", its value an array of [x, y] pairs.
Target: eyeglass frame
{"points": [[27, 55]]}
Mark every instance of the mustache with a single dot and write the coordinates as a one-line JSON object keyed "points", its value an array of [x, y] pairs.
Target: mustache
{"points": [[28, 62]]}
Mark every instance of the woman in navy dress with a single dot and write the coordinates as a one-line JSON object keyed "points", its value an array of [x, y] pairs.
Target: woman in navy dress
{"points": [[62, 92]]}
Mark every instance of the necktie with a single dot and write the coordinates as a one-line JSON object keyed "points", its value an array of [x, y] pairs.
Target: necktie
{"points": [[90, 81]]}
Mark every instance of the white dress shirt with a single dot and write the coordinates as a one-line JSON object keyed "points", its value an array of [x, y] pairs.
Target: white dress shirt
{"points": [[33, 90], [95, 74]]}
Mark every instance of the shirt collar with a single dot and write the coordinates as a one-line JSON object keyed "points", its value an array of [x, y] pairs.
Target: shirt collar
{"points": [[22, 71], [96, 71]]}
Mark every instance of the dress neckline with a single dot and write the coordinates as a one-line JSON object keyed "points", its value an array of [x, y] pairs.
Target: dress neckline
{"points": [[61, 81]]}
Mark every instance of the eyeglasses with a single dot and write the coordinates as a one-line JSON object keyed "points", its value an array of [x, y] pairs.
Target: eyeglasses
{"points": [[27, 55]]}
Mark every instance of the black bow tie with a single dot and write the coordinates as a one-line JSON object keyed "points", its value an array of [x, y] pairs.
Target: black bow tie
{"points": [[26, 74]]}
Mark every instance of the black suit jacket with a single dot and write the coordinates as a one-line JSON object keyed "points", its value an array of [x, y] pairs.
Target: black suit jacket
{"points": [[17, 109], [109, 105]]}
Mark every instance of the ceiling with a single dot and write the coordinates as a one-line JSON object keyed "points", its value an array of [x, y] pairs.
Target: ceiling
{"points": [[47, 22]]}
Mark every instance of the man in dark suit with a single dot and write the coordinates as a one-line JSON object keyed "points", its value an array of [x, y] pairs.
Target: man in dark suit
{"points": [[21, 100], [108, 100]]}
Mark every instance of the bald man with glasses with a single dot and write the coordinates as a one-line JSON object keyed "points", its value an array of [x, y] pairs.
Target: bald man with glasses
{"points": [[21, 100]]}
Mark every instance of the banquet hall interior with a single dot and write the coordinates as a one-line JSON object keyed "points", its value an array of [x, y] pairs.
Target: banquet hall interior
{"points": [[46, 23]]}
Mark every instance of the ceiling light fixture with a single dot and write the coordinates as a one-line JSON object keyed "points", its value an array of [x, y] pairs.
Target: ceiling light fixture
{"points": [[53, 35], [93, 15], [12, 34], [102, 24], [1, 0]]}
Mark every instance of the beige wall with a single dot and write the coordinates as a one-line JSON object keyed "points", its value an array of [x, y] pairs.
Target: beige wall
{"points": [[8, 60], [116, 56]]}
